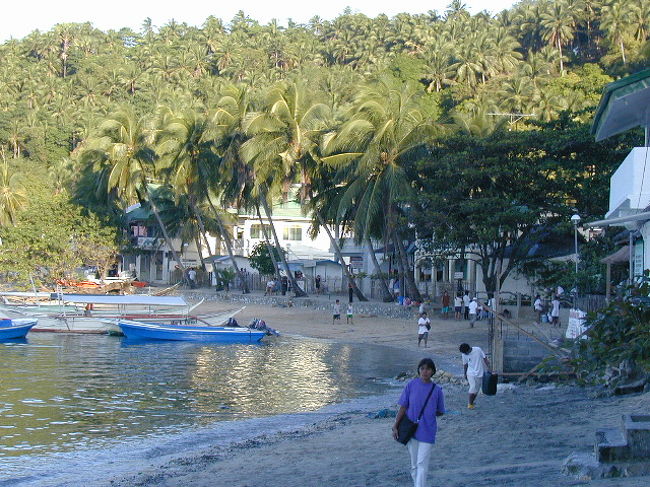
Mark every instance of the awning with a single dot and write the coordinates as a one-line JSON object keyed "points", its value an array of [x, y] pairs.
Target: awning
{"points": [[637, 217], [625, 104], [618, 257]]}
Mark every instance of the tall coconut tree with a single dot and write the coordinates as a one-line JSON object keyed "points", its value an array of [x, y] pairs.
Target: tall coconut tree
{"points": [[381, 138], [617, 21], [188, 147], [123, 155], [13, 195], [558, 28], [286, 136]]}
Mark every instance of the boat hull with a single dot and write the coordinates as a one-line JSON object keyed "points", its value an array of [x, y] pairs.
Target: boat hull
{"points": [[16, 329], [155, 331]]}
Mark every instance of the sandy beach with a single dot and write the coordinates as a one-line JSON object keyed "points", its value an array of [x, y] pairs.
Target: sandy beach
{"points": [[520, 437]]}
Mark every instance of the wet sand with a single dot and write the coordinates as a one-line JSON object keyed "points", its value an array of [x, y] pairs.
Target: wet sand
{"points": [[520, 437]]}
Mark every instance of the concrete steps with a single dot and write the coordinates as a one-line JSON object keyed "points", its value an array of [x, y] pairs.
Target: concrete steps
{"points": [[618, 452]]}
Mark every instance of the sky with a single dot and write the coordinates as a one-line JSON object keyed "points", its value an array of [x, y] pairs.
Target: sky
{"points": [[21, 17]]}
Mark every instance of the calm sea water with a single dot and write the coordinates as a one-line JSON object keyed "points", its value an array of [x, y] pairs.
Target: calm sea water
{"points": [[63, 393]]}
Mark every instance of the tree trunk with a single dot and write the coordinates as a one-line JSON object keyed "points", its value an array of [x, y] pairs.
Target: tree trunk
{"points": [[205, 239], [197, 242], [559, 49], [622, 50], [337, 251], [268, 243], [298, 291], [163, 229], [408, 276], [226, 239], [386, 295]]}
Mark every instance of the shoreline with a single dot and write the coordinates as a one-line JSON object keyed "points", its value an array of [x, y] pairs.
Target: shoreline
{"points": [[519, 438]]}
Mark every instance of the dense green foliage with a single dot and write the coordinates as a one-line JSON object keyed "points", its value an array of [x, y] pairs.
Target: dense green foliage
{"points": [[501, 196], [52, 238], [353, 111], [260, 259], [617, 334]]}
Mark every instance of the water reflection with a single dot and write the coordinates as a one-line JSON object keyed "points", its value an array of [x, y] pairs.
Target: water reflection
{"points": [[59, 392]]}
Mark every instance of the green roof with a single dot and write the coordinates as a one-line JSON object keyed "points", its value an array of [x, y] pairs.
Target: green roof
{"points": [[625, 104]]}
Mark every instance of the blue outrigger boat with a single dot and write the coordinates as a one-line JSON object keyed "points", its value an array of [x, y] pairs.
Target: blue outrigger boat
{"points": [[215, 334], [11, 329]]}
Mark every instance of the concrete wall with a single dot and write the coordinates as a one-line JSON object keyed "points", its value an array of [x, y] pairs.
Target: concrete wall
{"points": [[520, 354]]}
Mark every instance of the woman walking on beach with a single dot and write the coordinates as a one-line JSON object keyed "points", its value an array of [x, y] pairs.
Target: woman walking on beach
{"points": [[421, 401]]}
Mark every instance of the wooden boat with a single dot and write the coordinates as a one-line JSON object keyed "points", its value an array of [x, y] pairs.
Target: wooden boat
{"points": [[11, 329], [93, 313], [215, 334]]}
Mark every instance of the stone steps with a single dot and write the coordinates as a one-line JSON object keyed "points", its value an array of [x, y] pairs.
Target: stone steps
{"points": [[618, 452]]}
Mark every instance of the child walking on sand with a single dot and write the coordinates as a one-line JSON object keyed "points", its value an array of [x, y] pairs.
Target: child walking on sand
{"points": [[348, 317], [336, 315]]}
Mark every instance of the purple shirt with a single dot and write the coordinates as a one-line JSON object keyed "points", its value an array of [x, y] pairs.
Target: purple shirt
{"points": [[413, 397]]}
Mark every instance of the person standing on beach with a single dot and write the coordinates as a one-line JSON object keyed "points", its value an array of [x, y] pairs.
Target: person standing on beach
{"points": [[458, 306], [446, 301], [350, 292], [412, 402], [348, 315], [555, 311], [475, 363], [336, 315], [424, 325], [473, 310], [317, 283]]}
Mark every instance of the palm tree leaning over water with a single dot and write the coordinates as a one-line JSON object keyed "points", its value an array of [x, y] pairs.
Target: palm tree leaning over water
{"points": [[123, 155]]}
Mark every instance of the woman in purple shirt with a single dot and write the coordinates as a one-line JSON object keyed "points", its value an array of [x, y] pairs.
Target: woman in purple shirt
{"points": [[411, 401]]}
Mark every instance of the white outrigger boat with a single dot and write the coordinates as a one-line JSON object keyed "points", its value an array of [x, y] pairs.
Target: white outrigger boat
{"points": [[93, 313]]}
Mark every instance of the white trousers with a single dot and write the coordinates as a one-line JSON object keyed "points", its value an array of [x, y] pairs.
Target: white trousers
{"points": [[420, 453]]}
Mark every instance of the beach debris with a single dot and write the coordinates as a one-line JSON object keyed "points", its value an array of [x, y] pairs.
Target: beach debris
{"points": [[383, 413]]}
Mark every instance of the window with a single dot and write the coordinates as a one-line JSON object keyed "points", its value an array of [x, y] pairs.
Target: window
{"points": [[292, 233], [256, 230]]}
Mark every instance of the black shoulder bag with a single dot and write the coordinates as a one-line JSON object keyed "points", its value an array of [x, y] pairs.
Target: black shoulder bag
{"points": [[406, 428]]}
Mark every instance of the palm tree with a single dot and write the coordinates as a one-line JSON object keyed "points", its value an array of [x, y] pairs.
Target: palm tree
{"points": [[188, 145], [617, 21], [557, 24], [287, 135], [123, 155], [373, 147], [13, 196]]}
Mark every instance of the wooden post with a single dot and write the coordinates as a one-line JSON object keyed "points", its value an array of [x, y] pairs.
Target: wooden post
{"points": [[497, 334]]}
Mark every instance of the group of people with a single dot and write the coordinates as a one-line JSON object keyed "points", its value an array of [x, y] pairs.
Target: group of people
{"points": [[552, 316], [422, 401], [336, 314]]}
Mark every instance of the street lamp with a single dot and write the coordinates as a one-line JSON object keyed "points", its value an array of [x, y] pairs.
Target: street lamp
{"points": [[575, 219]]}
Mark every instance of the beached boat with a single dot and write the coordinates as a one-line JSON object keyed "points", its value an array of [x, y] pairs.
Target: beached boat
{"points": [[12, 329], [92, 313], [218, 334]]}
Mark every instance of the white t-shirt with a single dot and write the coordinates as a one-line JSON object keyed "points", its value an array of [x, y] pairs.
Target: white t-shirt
{"points": [[422, 325], [473, 306], [555, 311], [538, 305], [458, 301], [474, 361], [466, 300]]}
